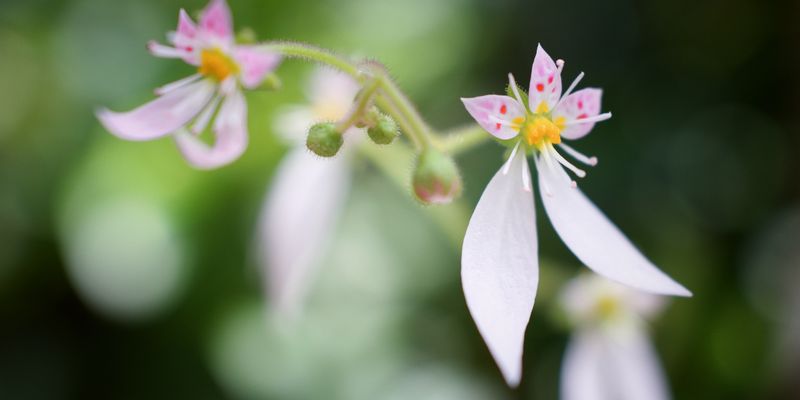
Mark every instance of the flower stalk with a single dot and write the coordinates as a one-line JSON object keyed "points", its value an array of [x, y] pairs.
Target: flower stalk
{"points": [[387, 96]]}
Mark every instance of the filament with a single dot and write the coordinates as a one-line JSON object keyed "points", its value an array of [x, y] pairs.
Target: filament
{"points": [[596, 118], [591, 161]]}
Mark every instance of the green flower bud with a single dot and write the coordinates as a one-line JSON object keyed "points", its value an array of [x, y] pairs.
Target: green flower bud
{"points": [[384, 131], [324, 140], [436, 179]]}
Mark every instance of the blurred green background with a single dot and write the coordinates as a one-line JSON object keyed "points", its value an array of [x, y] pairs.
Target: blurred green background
{"points": [[124, 273]]}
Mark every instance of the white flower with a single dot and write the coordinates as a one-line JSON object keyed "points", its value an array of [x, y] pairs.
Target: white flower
{"points": [[306, 195], [609, 356], [499, 260]]}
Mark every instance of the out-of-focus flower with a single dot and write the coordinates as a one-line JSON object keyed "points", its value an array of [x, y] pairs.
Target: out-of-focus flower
{"points": [[610, 355], [499, 256], [306, 195], [224, 68]]}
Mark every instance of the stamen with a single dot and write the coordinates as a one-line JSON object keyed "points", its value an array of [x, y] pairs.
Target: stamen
{"points": [[563, 161], [591, 161], [177, 84], [596, 118], [228, 86], [160, 50], [546, 189], [507, 165], [560, 65], [204, 118], [526, 177], [569, 90], [513, 84]]}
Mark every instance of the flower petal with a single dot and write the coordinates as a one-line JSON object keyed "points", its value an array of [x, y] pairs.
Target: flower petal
{"points": [[583, 371], [594, 239], [230, 130], [300, 211], [601, 365], [161, 116], [545, 82], [185, 38], [255, 63], [582, 104], [331, 89], [499, 266], [292, 123], [496, 114], [216, 20]]}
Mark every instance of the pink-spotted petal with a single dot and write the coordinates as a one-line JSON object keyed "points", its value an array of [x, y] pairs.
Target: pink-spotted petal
{"points": [[594, 239], [584, 103], [185, 38], [255, 64], [545, 88], [496, 114], [230, 131], [499, 265], [161, 116], [297, 219], [602, 365], [186, 27], [216, 20]]}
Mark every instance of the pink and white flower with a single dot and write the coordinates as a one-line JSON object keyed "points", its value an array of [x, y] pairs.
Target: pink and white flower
{"points": [[306, 195], [610, 355], [499, 265], [185, 108]]}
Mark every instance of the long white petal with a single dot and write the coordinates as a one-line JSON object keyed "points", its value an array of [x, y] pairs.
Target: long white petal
{"points": [[637, 367], [499, 266], [595, 240], [161, 116], [298, 215], [584, 369], [601, 365]]}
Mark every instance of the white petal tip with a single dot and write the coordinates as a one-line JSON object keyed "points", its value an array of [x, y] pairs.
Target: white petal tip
{"points": [[512, 381]]}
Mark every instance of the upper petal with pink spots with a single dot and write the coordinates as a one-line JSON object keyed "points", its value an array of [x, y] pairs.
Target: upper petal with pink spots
{"points": [[216, 20], [584, 103], [496, 114], [545, 82]]}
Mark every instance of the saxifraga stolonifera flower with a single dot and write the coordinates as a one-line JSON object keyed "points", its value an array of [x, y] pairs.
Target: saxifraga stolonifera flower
{"points": [[499, 260], [185, 108]]}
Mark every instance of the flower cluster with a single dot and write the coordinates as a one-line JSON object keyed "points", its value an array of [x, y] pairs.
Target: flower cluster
{"points": [[499, 261]]}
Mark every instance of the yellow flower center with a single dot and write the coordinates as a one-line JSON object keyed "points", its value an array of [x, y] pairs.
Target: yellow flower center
{"points": [[607, 307], [215, 64], [538, 130]]}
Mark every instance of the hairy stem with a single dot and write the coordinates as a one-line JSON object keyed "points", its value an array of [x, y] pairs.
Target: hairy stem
{"points": [[463, 139], [391, 99]]}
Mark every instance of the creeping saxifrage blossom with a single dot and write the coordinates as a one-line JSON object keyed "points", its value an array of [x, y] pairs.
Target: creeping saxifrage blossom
{"points": [[499, 265], [306, 194], [185, 108], [610, 356]]}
